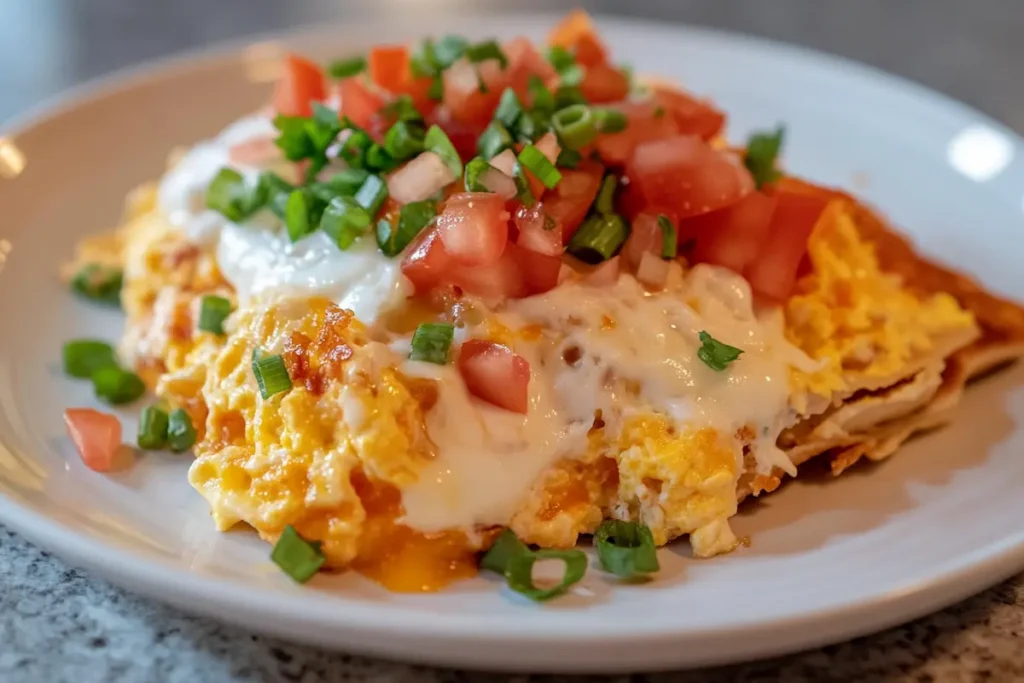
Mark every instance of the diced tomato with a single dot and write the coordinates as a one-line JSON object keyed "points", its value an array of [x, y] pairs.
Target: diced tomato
{"points": [[570, 200], [774, 272], [497, 281], [734, 236], [462, 94], [691, 115], [474, 227], [361, 104], [577, 34], [686, 175], [493, 373], [462, 135], [389, 66], [525, 61], [301, 84], [537, 231], [426, 262], [418, 89], [643, 123], [603, 83], [645, 237], [96, 435], [539, 271]]}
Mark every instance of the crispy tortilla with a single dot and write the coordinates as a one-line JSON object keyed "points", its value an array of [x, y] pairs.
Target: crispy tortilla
{"points": [[875, 423]]}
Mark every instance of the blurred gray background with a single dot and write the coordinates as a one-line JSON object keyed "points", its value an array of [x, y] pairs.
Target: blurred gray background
{"points": [[60, 624]]}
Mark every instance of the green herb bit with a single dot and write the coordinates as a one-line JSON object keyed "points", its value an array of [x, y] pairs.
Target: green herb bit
{"points": [[449, 49], [117, 386], [402, 108], [437, 142], [509, 108], [493, 140], [609, 120], [213, 311], [511, 558], [298, 558], [355, 148], [762, 152], [541, 98], [181, 435], [626, 549], [372, 194], [345, 220], [228, 195], [346, 68], [272, 191], [83, 357], [404, 140], [99, 283], [298, 214], [436, 90], [489, 49], [560, 58], [599, 238], [152, 429], [378, 159], [568, 158], [523, 192], [532, 125], [669, 237], [412, 219], [431, 342], [715, 354], [567, 95], [538, 164], [476, 167], [271, 374]]}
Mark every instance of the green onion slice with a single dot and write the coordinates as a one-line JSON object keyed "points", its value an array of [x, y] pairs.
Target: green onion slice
{"points": [[298, 558], [437, 142], [117, 386], [715, 354], [762, 151], [213, 310], [523, 192], [489, 49], [509, 108], [599, 238], [449, 49], [605, 202], [476, 167], [272, 191], [626, 549], [378, 159], [538, 164], [431, 342], [493, 140], [560, 58], [566, 96], [511, 558], [569, 158], [402, 108], [372, 194], [344, 220], [346, 68], [298, 214], [355, 148], [540, 97], [181, 435], [574, 126], [412, 218], [228, 195], [271, 374], [83, 357], [404, 140], [436, 90], [152, 428], [99, 283], [669, 238], [609, 120]]}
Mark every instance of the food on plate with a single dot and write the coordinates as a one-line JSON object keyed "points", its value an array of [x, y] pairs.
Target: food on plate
{"points": [[456, 305]]}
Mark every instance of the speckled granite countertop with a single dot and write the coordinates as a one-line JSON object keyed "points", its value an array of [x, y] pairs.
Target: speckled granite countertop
{"points": [[60, 624]]}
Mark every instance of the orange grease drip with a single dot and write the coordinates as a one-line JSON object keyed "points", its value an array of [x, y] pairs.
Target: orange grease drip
{"points": [[402, 559]]}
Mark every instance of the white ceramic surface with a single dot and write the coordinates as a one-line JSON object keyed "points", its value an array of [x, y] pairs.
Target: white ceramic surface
{"points": [[830, 559]]}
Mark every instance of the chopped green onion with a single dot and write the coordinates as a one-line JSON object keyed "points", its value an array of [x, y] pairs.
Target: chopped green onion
{"points": [[571, 77], [292, 138], [304, 137], [152, 429], [298, 558], [99, 283], [532, 125], [181, 435], [762, 151], [344, 183], [511, 558], [372, 194], [489, 49], [534, 160], [345, 220], [228, 195], [436, 90], [298, 214], [560, 58], [715, 354], [626, 549], [448, 50], [431, 342], [378, 159], [493, 140], [412, 218], [271, 374], [568, 158], [353, 150], [523, 192], [117, 386], [424, 60], [272, 191], [404, 140], [402, 108], [476, 167], [509, 108], [540, 97], [575, 126], [567, 95], [605, 202], [609, 120], [346, 68], [599, 238], [437, 142], [83, 357], [213, 310], [669, 238], [327, 125]]}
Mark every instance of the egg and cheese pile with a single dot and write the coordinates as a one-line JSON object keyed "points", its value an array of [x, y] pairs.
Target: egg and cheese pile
{"points": [[401, 473]]}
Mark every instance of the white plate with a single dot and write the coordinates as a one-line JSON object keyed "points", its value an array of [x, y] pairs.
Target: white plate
{"points": [[830, 559]]}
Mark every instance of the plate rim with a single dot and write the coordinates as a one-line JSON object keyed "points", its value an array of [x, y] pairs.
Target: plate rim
{"points": [[163, 580]]}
